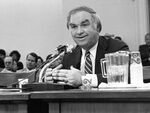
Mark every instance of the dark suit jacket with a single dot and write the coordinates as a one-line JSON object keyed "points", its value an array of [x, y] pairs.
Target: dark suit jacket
{"points": [[105, 45], [144, 51]]}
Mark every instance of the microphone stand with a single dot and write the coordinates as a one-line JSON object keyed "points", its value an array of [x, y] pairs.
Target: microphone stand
{"points": [[42, 72]]}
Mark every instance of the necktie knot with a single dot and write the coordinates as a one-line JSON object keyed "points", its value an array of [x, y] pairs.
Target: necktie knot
{"points": [[87, 54]]}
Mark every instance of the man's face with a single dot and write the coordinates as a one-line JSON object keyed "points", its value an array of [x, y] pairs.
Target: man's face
{"points": [[8, 61], [30, 62], [147, 39], [83, 30]]}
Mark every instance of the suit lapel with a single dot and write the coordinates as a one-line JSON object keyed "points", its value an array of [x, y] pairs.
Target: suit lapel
{"points": [[77, 56], [101, 50]]}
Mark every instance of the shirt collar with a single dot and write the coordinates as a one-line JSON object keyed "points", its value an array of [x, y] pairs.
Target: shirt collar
{"points": [[92, 50]]}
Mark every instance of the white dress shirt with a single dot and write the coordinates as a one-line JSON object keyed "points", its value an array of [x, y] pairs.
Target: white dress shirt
{"points": [[91, 77]]}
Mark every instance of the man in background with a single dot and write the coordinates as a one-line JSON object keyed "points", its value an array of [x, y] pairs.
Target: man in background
{"points": [[16, 57], [8, 61], [145, 51], [2, 56], [31, 63], [39, 62]]}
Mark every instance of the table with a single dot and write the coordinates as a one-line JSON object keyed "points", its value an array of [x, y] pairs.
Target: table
{"points": [[125, 100], [95, 101], [13, 102]]}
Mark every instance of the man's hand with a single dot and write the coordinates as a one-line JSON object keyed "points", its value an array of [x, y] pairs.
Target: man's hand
{"points": [[48, 73], [72, 76]]}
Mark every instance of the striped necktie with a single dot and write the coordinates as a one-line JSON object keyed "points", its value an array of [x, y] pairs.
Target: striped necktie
{"points": [[88, 63]]}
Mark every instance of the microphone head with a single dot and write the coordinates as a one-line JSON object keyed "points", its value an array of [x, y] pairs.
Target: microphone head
{"points": [[70, 48], [61, 50]]}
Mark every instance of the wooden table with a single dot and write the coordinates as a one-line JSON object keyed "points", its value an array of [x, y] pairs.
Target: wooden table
{"points": [[13, 102], [125, 100], [95, 101]]}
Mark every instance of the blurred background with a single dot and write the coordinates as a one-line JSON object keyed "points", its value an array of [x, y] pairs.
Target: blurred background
{"points": [[40, 25]]}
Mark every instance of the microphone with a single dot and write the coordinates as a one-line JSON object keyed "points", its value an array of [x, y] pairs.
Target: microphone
{"points": [[56, 59], [52, 62]]}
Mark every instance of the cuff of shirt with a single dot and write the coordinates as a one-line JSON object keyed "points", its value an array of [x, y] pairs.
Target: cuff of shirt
{"points": [[92, 78]]}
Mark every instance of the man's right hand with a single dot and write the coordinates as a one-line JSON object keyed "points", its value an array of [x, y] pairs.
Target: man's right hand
{"points": [[48, 73]]}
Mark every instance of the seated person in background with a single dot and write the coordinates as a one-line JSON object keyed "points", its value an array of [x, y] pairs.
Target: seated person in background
{"points": [[145, 51], [16, 57], [20, 65], [2, 53], [8, 61], [39, 62], [31, 63], [85, 26], [15, 67], [2, 56], [2, 65]]}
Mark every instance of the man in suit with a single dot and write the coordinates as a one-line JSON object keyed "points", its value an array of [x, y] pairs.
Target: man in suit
{"points": [[145, 51], [85, 26]]}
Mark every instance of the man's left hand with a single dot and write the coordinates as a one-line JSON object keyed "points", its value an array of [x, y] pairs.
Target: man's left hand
{"points": [[72, 76]]}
